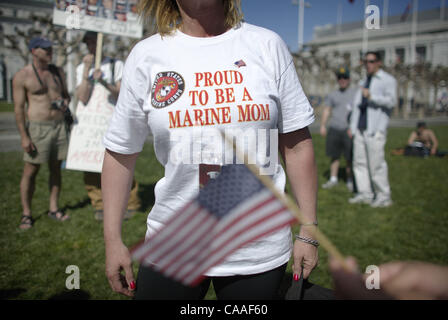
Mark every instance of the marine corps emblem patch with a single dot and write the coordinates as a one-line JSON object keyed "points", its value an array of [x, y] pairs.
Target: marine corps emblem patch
{"points": [[167, 88]]}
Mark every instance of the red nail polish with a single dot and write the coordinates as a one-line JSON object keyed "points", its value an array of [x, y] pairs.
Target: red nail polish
{"points": [[132, 285], [296, 277]]}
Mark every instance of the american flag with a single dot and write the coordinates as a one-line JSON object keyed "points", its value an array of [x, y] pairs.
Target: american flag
{"points": [[231, 211], [405, 14], [240, 63]]}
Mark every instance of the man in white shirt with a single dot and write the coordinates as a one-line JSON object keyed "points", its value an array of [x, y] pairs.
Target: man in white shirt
{"points": [[373, 105]]}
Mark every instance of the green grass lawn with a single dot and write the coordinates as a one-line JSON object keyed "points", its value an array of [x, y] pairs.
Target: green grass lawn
{"points": [[33, 262]]}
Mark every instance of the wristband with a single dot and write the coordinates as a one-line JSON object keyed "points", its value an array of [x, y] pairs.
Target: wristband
{"points": [[308, 240], [314, 223]]}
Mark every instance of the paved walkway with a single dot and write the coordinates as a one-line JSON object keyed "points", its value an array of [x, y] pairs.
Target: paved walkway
{"points": [[10, 138]]}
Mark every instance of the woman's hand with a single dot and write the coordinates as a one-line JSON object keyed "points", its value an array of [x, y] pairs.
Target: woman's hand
{"points": [[116, 181], [118, 259], [305, 257], [297, 151]]}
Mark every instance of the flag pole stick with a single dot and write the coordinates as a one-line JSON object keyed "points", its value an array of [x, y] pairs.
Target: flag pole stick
{"points": [[99, 50], [291, 205]]}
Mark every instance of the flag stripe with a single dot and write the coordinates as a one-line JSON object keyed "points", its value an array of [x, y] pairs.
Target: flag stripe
{"points": [[172, 225], [258, 201], [139, 251], [231, 211], [226, 248], [246, 218], [189, 239], [258, 230], [194, 250], [228, 237], [195, 279], [175, 238], [244, 215]]}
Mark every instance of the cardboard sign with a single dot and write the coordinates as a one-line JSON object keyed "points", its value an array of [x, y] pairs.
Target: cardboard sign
{"points": [[118, 17], [86, 149]]}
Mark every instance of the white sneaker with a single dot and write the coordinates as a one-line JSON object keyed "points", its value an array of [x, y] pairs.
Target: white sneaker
{"points": [[359, 198], [381, 203], [329, 184]]}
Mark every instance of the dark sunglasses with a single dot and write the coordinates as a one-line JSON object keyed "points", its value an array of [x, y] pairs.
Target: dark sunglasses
{"points": [[343, 77], [48, 49], [370, 61]]}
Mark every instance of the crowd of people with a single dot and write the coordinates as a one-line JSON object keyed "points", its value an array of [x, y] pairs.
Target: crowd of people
{"points": [[357, 117]]}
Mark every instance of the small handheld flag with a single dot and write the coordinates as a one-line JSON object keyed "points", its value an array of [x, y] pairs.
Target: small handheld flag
{"points": [[231, 211], [237, 207]]}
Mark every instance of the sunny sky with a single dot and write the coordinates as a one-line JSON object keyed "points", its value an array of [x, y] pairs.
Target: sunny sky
{"points": [[281, 16]]}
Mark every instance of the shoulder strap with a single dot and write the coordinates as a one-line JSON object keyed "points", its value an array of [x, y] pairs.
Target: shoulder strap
{"points": [[55, 71], [38, 78]]}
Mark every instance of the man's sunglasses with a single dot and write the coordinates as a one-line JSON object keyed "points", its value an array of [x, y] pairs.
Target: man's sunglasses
{"points": [[343, 77], [370, 61]]}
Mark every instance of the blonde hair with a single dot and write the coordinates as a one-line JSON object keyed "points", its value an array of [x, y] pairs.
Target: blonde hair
{"points": [[164, 15]]}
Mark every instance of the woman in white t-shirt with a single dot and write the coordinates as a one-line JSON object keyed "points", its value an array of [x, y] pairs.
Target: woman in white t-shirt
{"points": [[206, 68]]}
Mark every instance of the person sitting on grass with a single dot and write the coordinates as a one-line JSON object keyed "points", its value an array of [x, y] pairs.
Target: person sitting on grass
{"points": [[424, 138], [422, 143]]}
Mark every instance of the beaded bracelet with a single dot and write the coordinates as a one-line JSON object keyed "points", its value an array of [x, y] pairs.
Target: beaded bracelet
{"points": [[308, 240], [309, 224]]}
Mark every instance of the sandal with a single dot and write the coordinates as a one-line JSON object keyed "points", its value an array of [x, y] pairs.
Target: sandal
{"points": [[26, 222], [58, 215]]}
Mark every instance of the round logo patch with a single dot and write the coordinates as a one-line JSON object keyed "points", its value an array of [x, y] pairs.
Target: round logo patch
{"points": [[167, 88]]}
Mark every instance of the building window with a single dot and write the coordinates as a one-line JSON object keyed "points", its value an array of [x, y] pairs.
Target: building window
{"points": [[382, 54], [421, 54]]}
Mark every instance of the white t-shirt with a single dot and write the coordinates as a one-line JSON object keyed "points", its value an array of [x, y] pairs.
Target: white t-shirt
{"points": [[176, 86], [106, 69]]}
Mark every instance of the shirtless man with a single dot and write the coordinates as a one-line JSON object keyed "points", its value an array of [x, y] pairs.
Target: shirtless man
{"points": [[424, 136], [41, 126]]}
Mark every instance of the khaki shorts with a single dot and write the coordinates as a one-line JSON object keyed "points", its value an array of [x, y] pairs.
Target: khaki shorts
{"points": [[50, 139]]}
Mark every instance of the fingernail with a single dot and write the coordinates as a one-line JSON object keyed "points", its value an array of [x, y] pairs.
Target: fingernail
{"points": [[132, 285], [296, 277]]}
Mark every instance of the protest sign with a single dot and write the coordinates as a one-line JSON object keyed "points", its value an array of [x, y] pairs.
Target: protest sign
{"points": [[117, 17], [86, 149]]}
